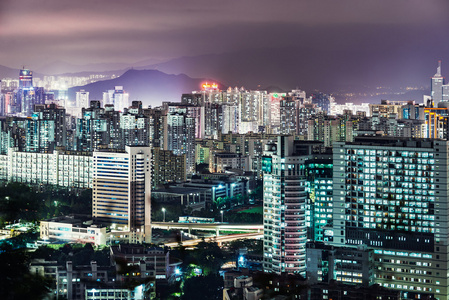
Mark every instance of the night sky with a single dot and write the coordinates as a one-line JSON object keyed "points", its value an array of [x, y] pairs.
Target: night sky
{"points": [[345, 32]]}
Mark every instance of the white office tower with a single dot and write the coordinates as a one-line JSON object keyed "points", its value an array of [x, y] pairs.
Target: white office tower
{"points": [[437, 83], [82, 99], [118, 97], [121, 191], [284, 184]]}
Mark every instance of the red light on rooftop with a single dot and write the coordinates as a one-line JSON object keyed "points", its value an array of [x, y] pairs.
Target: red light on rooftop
{"points": [[207, 86]]}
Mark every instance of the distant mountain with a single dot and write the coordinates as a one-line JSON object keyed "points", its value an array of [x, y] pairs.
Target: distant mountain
{"points": [[65, 68], [61, 67], [6, 72], [149, 86], [324, 69], [89, 73]]}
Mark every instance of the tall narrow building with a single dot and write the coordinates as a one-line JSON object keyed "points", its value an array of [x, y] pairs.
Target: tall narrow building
{"points": [[26, 94], [437, 83], [285, 197], [121, 191], [181, 137]]}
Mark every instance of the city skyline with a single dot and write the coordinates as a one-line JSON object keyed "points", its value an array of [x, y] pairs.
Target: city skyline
{"points": [[224, 149]]}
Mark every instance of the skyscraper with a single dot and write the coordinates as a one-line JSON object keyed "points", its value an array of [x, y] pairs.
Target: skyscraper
{"points": [[25, 79], [437, 83], [285, 233], [26, 94]]}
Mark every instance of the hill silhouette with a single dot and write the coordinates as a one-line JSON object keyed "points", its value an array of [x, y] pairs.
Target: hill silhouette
{"points": [[149, 86]]}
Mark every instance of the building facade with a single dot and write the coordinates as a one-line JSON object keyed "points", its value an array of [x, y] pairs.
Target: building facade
{"points": [[391, 195]]}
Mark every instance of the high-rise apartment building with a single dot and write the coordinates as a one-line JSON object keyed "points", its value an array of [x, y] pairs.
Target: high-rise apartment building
{"points": [[319, 184], [135, 129], [391, 195], [55, 113], [118, 97], [40, 134], [437, 125], [156, 130], [91, 128], [231, 118], [167, 167], [288, 113], [121, 190], [181, 137], [285, 199], [323, 101], [329, 129], [192, 111]]}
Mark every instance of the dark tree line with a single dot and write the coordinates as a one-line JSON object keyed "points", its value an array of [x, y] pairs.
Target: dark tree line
{"points": [[26, 203], [16, 281]]}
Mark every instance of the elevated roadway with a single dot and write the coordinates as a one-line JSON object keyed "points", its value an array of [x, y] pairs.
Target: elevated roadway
{"points": [[218, 239], [217, 227]]}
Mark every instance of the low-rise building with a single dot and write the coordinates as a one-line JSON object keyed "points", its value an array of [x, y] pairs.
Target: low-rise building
{"points": [[71, 229], [342, 264], [155, 260], [222, 161]]}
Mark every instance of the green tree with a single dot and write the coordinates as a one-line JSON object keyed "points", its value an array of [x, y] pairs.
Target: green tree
{"points": [[203, 287], [16, 281], [209, 256]]}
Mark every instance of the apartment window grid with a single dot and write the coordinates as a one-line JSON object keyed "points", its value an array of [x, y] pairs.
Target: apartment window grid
{"points": [[390, 189]]}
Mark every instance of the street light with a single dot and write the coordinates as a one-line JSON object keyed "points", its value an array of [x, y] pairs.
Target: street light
{"points": [[221, 216], [163, 211]]}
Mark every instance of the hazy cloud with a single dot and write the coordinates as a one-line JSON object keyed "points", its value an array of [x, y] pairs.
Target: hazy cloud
{"points": [[87, 31]]}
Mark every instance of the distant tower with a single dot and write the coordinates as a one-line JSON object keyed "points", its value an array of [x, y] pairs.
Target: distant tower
{"points": [[82, 99], [27, 95], [25, 79], [437, 83]]}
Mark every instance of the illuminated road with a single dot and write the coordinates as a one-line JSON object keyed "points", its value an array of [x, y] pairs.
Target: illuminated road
{"points": [[219, 239], [208, 226]]}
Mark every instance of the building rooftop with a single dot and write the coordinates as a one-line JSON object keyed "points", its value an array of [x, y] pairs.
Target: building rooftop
{"points": [[76, 222], [179, 190], [393, 142]]}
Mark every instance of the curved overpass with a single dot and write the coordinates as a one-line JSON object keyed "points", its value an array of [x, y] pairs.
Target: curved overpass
{"points": [[219, 240]]}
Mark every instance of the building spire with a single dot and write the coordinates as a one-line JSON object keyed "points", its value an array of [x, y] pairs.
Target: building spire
{"points": [[438, 74]]}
